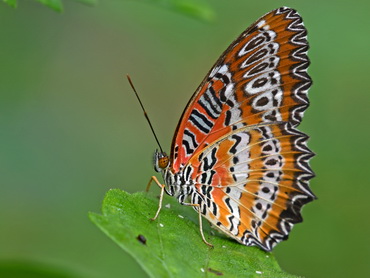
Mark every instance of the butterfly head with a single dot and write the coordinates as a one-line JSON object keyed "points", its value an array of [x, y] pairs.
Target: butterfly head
{"points": [[161, 161]]}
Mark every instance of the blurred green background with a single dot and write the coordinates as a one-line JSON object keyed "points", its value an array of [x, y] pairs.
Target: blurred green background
{"points": [[71, 128]]}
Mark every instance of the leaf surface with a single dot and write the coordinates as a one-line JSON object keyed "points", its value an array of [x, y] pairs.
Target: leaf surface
{"points": [[171, 246]]}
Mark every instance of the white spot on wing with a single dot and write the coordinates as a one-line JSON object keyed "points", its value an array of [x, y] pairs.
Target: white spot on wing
{"points": [[270, 62], [261, 39], [272, 100], [261, 23], [270, 49], [234, 196], [252, 87], [224, 69]]}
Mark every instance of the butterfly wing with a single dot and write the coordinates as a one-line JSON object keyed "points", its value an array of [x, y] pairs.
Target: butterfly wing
{"points": [[237, 137], [253, 183], [260, 78]]}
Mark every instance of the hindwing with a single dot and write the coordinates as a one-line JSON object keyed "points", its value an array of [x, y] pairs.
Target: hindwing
{"points": [[254, 182]]}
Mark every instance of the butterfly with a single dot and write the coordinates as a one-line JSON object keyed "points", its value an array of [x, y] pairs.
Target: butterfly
{"points": [[237, 157]]}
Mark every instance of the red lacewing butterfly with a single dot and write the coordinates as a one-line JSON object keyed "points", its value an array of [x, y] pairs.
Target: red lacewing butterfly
{"points": [[237, 157]]}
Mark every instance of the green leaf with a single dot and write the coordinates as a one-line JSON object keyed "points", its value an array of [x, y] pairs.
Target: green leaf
{"points": [[11, 3], [56, 5], [190, 8], [171, 246], [30, 269], [88, 2]]}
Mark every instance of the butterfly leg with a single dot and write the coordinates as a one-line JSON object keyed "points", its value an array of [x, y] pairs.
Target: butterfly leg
{"points": [[154, 178], [200, 222]]}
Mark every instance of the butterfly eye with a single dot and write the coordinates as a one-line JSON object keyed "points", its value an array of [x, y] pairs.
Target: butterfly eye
{"points": [[161, 161]]}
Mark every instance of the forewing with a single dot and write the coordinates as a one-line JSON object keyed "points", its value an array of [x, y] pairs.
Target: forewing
{"points": [[253, 183], [260, 78]]}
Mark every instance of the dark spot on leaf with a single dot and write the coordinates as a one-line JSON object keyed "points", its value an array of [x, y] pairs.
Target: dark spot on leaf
{"points": [[218, 273], [142, 239]]}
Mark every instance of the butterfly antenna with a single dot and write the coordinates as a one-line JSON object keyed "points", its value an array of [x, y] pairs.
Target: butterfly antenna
{"points": [[145, 114]]}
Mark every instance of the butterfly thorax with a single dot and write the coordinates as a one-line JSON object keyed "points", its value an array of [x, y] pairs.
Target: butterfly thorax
{"points": [[177, 184]]}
